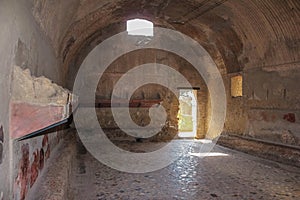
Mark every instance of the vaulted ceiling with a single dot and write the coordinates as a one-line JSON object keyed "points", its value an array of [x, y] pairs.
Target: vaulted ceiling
{"points": [[238, 34]]}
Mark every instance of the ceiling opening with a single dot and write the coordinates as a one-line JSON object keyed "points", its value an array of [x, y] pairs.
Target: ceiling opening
{"points": [[139, 27]]}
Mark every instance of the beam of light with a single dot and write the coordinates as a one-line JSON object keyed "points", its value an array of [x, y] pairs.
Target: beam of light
{"points": [[204, 141], [210, 154]]}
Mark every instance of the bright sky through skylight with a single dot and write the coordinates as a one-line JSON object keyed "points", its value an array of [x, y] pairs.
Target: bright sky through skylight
{"points": [[140, 27]]}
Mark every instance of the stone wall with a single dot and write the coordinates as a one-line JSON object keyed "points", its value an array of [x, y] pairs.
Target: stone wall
{"points": [[256, 39], [36, 103], [269, 107], [151, 92], [22, 43], [273, 105]]}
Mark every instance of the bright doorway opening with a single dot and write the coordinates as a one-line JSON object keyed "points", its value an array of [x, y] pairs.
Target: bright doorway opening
{"points": [[187, 115]]}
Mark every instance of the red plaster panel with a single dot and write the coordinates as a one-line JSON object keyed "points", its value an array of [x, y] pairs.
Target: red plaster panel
{"points": [[26, 118]]}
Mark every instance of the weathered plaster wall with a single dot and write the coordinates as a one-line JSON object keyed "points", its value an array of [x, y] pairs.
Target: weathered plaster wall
{"points": [[236, 119], [240, 35], [150, 92], [269, 64], [273, 105], [257, 39], [22, 43], [36, 102], [6, 56]]}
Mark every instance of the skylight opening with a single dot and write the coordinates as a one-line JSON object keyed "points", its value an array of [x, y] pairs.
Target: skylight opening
{"points": [[140, 27]]}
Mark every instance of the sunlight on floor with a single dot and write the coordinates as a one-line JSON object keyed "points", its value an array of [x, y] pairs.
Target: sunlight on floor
{"points": [[210, 154], [204, 141], [186, 134]]}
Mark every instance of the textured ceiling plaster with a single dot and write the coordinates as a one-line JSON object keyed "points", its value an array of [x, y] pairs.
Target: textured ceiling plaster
{"points": [[239, 34]]}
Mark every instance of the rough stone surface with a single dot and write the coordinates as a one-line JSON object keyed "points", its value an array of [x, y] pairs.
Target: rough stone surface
{"points": [[151, 92], [37, 90]]}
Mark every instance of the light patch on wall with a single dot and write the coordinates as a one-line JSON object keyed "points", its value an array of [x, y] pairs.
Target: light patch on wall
{"points": [[140, 27], [237, 86]]}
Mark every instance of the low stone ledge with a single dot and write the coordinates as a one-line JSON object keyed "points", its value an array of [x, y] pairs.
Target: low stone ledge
{"points": [[280, 153]]}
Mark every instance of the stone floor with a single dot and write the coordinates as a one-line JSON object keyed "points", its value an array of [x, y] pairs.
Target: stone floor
{"points": [[224, 174]]}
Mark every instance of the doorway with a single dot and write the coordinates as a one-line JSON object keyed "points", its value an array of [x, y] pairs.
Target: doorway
{"points": [[187, 114]]}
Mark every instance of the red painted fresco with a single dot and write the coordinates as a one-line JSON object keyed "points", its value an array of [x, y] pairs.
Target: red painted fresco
{"points": [[57, 136], [42, 159], [264, 116], [23, 178], [34, 169], [47, 154], [45, 140], [274, 118], [29, 172], [290, 117]]}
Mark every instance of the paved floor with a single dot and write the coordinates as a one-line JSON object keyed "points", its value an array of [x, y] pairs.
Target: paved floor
{"points": [[225, 174]]}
